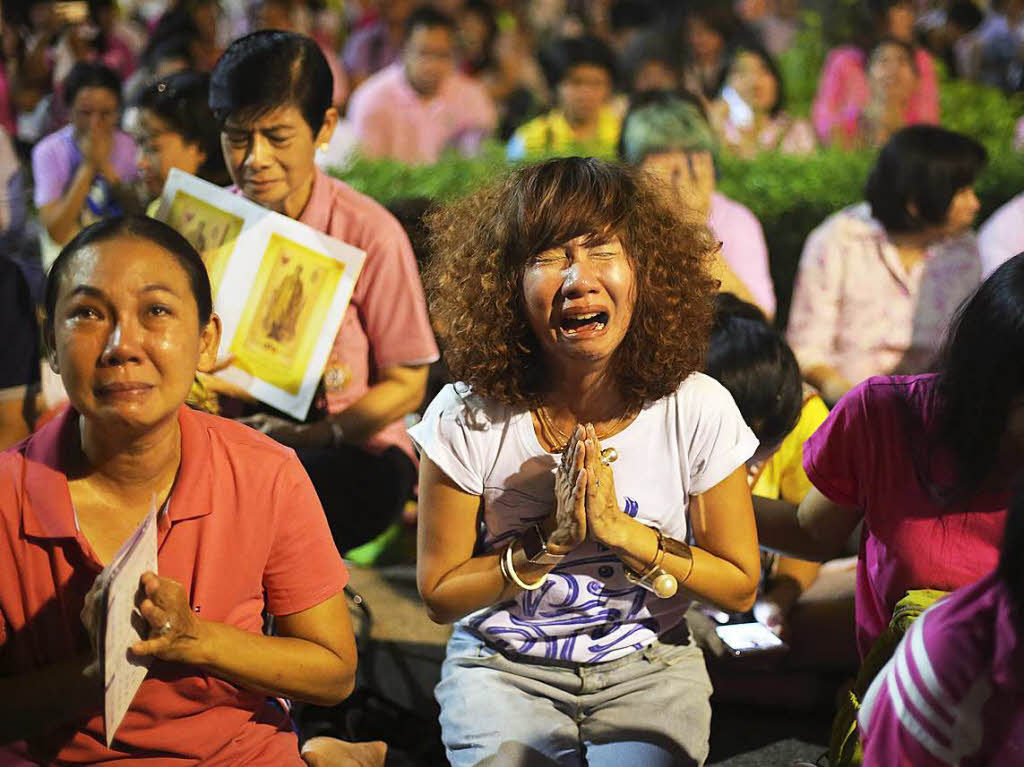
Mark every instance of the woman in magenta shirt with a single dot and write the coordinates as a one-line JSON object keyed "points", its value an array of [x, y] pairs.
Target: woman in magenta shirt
{"points": [[925, 461]]}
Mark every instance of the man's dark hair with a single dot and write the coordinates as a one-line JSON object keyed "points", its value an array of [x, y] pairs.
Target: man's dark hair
{"points": [[269, 69], [427, 16], [563, 55]]}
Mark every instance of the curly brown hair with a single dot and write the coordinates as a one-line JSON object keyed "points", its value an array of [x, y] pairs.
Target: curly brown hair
{"points": [[481, 245]]}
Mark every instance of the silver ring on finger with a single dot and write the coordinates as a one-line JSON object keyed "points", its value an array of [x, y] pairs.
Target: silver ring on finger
{"points": [[166, 628]]}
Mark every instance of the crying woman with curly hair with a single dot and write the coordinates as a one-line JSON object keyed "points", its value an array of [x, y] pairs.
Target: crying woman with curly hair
{"points": [[563, 475]]}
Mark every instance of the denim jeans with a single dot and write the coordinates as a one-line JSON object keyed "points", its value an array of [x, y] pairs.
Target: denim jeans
{"points": [[647, 709]]}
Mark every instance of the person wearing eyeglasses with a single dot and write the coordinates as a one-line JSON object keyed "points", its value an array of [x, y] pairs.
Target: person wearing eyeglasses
{"points": [[85, 170], [421, 105]]}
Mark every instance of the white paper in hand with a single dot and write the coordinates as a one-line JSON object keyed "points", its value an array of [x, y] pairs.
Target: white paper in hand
{"points": [[123, 625]]}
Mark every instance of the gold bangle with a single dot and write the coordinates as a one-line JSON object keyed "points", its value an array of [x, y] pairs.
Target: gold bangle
{"points": [[659, 556]]}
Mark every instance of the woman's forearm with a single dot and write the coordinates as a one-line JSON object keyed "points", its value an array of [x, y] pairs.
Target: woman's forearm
{"points": [[35, 703], [288, 667], [779, 530], [399, 393], [61, 217], [476, 584], [709, 577]]}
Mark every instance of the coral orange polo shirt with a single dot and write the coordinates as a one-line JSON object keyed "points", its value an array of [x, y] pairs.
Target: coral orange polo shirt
{"points": [[243, 530]]}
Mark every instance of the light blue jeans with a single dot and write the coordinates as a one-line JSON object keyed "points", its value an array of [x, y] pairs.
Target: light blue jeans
{"points": [[647, 709]]}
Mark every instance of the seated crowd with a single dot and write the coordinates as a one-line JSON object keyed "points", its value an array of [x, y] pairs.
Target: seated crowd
{"points": [[625, 448]]}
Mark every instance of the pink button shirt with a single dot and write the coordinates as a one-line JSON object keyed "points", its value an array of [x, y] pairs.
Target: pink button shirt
{"points": [[743, 247], [243, 530], [953, 693], [391, 120], [386, 323], [843, 93], [863, 457], [855, 307]]}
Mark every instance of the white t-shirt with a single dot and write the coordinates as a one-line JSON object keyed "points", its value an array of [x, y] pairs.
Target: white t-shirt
{"points": [[679, 446]]}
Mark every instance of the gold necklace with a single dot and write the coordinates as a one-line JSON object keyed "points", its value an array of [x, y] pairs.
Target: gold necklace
{"points": [[561, 440]]}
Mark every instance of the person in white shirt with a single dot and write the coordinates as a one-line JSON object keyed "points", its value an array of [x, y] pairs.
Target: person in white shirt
{"points": [[583, 481]]}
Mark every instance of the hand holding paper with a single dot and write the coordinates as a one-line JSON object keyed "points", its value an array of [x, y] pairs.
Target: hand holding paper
{"points": [[174, 630]]}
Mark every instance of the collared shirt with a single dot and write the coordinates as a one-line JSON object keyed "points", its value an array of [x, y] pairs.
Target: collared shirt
{"points": [[857, 309], [243, 529], [386, 322], [391, 120], [550, 135], [743, 248], [1001, 237]]}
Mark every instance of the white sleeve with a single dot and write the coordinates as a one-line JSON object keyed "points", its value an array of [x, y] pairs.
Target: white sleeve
{"points": [[454, 435], [718, 440]]}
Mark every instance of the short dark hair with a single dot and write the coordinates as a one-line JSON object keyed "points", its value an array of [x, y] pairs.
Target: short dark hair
{"points": [[923, 166], [559, 58], [752, 360], [141, 227], [177, 47], [771, 65], [87, 74], [180, 100], [269, 69], [965, 14], [427, 16]]}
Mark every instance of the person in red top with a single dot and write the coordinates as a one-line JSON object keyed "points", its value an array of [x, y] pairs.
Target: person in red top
{"points": [[271, 92], [240, 531]]}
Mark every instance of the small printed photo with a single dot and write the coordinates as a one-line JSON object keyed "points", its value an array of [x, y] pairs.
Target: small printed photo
{"points": [[210, 230], [285, 312]]}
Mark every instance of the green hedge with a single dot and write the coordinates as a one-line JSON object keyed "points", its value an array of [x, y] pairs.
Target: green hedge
{"points": [[789, 195]]}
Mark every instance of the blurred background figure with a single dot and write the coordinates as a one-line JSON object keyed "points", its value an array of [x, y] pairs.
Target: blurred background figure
{"points": [[176, 129], [845, 88], [879, 281], [418, 107], [581, 73], [670, 136], [377, 43], [85, 170], [749, 114]]}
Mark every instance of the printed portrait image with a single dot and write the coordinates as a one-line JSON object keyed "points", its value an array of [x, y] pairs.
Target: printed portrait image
{"points": [[285, 313], [210, 230]]}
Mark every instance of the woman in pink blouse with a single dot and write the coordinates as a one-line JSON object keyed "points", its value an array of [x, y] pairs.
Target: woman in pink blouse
{"points": [[879, 281], [843, 89]]}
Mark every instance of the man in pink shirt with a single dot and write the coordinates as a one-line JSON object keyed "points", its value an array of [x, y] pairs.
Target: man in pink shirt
{"points": [[416, 108]]}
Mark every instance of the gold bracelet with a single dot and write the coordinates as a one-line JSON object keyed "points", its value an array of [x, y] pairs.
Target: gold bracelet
{"points": [[659, 557]]}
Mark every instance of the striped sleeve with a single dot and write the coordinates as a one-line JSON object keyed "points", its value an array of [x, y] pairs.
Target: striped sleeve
{"points": [[912, 715]]}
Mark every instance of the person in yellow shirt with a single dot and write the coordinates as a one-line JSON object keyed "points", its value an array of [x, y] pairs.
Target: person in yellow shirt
{"points": [[752, 360], [584, 122]]}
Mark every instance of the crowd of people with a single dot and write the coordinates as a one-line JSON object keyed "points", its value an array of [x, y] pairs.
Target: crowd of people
{"points": [[620, 444]]}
